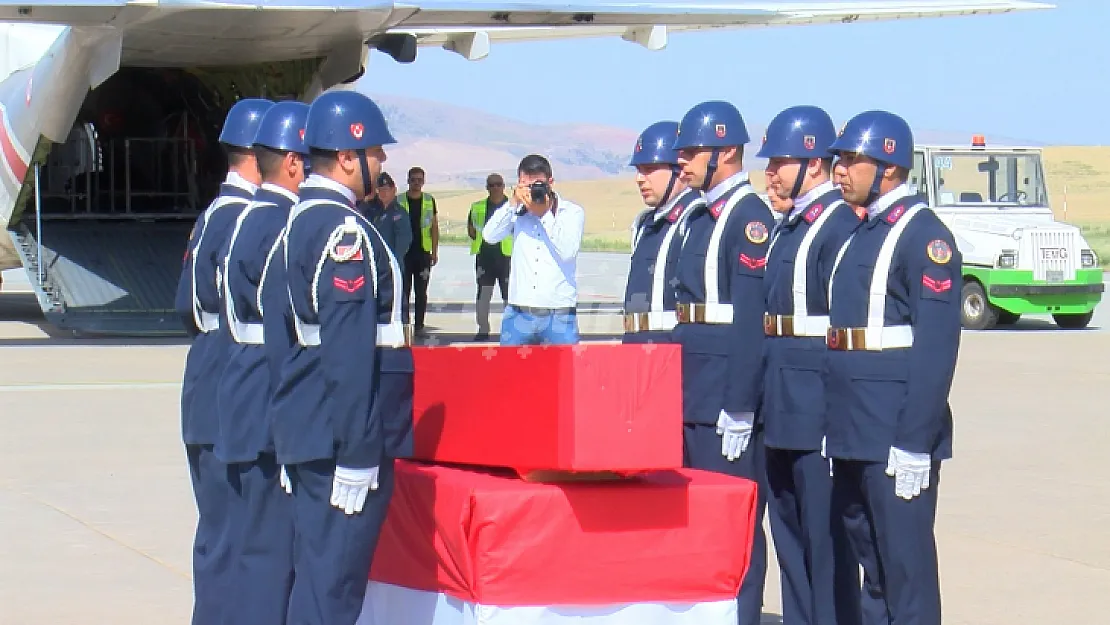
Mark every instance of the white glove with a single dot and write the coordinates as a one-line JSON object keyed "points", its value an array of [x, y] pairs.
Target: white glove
{"points": [[284, 480], [735, 432], [910, 472], [350, 487], [826, 456]]}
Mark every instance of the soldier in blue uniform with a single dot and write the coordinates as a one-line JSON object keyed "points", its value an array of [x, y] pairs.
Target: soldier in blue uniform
{"points": [[820, 574], [198, 303], [649, 298], [338, 422], [262, 572], [720, 315], [893, 342]]}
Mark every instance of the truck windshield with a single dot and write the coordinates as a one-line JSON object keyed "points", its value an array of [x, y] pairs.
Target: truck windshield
{"points": [[1001, 178]]}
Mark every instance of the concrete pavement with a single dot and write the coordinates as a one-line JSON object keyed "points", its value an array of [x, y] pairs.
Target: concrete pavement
{"points": [[96, 512]]}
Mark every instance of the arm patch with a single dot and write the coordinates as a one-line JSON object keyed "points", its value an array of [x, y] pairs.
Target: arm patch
{"points": [[936, 283]]}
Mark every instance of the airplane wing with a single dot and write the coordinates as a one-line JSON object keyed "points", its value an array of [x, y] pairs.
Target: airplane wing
{"points": [[470, 27]]}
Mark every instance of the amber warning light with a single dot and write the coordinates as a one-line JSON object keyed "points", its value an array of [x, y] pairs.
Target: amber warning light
{"points": [[978, 141]]}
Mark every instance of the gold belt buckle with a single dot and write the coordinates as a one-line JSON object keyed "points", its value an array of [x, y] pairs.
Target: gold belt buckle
{"points": [[407, 333], [846, 339], [769, 328], [636, 322], [778, 325], [682, 313]]}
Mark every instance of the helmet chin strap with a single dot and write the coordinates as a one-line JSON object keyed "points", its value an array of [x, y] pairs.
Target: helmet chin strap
{"points": [[675, 172], [710, 169], [874, 193], [800, 179], [367, 183]]}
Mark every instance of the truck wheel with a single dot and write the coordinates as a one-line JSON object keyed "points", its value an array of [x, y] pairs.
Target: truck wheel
{"points": [[976, 312], [1073, 322], [1007, 318]]}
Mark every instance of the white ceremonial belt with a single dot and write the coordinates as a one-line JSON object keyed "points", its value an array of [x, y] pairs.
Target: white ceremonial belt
{"points": [[871, 338], [209, 321], [704, 313], [247, 333], [388, 334], [794, 325], [650, 321]]}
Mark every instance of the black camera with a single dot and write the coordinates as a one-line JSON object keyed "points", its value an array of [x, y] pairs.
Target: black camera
{"points": [[540, 190]]}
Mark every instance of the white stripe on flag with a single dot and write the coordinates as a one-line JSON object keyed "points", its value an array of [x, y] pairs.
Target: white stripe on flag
{"points": [[387, 604]]}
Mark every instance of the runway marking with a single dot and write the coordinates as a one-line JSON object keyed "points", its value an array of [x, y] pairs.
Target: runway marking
{"points": [[99, 531], [90, 386]]}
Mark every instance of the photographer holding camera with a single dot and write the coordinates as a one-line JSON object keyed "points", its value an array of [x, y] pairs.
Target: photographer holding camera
{"points": [[547, 233]]}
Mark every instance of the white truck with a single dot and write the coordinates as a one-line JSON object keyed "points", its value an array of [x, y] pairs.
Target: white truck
{"points": [[1017, 259]]}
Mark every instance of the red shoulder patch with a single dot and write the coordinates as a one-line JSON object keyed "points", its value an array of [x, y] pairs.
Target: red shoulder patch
{"points": [[349, 286], [675, 213], [716, 209], [341, 250], [813, 213], [895, 214], [752, 263]]}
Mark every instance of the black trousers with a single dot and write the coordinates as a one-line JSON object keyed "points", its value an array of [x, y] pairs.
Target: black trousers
{"points": [[490, 271], [418, 272]]}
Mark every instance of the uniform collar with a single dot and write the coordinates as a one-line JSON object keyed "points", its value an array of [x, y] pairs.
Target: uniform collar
{"points": [[726, 185], [802, 203], [235, 180], [674, 208], [887, 200], [273, 188], [320, 182]]}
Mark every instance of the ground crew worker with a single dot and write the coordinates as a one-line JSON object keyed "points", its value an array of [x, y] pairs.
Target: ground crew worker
{"points": [[337, 427], [263, 535], [492, 261], [423, 254], [649, 296], [894, 338], [720, 315], [198, 302], [820, 574]]}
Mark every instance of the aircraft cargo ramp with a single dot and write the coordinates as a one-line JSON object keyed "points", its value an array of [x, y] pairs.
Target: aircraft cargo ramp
{"points": [[106, 278]]}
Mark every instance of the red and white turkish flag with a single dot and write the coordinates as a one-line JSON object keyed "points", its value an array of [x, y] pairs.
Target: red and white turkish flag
{"points": [[473, 547]]}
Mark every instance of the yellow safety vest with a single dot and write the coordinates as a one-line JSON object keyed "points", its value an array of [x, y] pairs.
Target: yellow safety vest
{"points": [[478, 218], [425, 219]]}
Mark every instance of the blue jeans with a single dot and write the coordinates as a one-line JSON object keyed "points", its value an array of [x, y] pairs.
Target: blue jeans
{"points": [[520, 327]]}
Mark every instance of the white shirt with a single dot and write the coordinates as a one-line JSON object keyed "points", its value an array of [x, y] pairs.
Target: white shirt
{"points": [[725, 185], [545, 253], [886, 201], [316, 180], [801, 203]]}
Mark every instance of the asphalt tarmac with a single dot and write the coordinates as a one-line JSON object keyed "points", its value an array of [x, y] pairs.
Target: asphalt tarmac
{"points": [[97, 516]]}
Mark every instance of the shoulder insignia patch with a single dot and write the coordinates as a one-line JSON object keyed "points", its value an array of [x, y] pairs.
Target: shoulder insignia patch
{"points": [[716, 208], [939, 251], [813, 213], [756, 232], [676, 212], [896, 214], [342, 253]]}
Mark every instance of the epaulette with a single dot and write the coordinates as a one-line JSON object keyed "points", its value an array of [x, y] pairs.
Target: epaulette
{"points": [[813, 212]]}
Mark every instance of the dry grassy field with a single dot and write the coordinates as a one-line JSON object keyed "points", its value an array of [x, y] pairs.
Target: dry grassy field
{"points": [[611, 204]]}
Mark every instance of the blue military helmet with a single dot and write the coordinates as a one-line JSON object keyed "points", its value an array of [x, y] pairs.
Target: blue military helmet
{"points": [[880, 135], [799, 132], [346, 120], [802, 132], [283, 127], [713, 124], [242, 122], [656, 145]]}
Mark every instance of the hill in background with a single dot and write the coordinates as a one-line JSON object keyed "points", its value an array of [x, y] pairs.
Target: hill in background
{"points": [[458, 147]]}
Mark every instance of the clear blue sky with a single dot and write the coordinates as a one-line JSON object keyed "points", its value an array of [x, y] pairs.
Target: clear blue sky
{"points": [[1040, 75]]}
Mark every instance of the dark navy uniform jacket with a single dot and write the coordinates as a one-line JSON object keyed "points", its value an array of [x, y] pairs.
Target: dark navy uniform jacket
{"points": [[325, 402], [656, 244], [725, 243], [896, 396], [243, 394], [804, 246], [198, 303]]}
